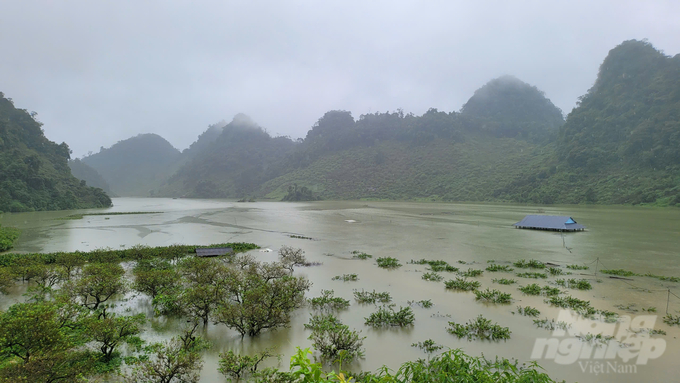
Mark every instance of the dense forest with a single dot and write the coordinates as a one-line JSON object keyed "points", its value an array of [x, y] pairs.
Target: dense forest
{"points": [[508, 142], [34, 171]]}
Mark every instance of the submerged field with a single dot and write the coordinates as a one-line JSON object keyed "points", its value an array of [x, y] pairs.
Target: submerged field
{"points": [[429, 241]]}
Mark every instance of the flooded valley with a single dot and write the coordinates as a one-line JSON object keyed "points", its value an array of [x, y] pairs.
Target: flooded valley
{"points": [[643, 240]]}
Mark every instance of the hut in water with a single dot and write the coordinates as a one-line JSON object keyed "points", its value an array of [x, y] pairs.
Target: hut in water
{"points": [[549, 222], [213, 251]]}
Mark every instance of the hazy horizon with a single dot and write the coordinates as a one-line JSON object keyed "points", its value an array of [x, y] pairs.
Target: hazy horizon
{"points": [[98, 73]]}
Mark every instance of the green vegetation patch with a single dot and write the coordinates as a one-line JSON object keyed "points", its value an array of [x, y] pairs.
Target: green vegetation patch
{"points": [[479, 329], [528, 311], [493, 296], [462, 284], [388, 263], [372, 297], [361, 255], [327, 301], [497, 268], [436, 265], [471, 273], [504, 281], [531, 264], [434, 277], [8, 235], [532, 275], [578, 284], [580, 306], [386, 316], [577, 267]]}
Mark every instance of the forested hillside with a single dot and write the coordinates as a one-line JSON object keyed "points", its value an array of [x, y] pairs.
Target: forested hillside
{"points": [[234, 164], [621, 144], [34, 171], [136, 166]]}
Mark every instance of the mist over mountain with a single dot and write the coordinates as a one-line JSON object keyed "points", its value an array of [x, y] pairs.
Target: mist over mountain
{"points": [[34, 171], [234, 164], [136, 166], [83, 172], [621, 144], [509, 107], [509, 142]]}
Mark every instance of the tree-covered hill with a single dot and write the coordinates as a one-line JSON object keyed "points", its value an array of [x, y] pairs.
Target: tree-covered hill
{"points": [[34, 171], [621, 144], [509, 107], [83, 172], [234, 164], [136, 166]]}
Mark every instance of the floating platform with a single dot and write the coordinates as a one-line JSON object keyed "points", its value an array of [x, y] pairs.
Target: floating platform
{"points": [[549, 222]]}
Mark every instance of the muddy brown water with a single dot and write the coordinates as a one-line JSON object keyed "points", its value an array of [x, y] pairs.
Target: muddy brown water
{"points": [[641, 239]]}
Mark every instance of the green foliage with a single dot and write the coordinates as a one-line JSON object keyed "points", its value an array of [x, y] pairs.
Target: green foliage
{"points": [[528, 311], [7, 237], [361, 255], [532, 275], [535, 289], [580, 306], [177, 360], [109, 332], [580, 284], [34, 172], [672, 320], [259, 297], [496, 268], [555, 271], [334, 340], [434, 277], [428, 346], [328, 302], [619, 272], [551, 325], [577, 267], [388, 263], [234, 366], [299, 194], [372, 297], [98, 283], [479, 329], [504, 281], [462, 284], [493, 296], [386, 316], [531, 264], [425, 303], [436, 265], [471, 273]]}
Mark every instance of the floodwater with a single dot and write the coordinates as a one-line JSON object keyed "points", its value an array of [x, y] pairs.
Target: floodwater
{"points": [[639, 239]]}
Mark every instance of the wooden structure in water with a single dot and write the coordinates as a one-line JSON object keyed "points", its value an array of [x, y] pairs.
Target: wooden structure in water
{"points": [[549, 222], [213, 251]]}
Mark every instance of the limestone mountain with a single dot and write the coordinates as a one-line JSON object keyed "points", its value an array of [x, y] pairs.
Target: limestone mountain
{"points": [[136, 166]]}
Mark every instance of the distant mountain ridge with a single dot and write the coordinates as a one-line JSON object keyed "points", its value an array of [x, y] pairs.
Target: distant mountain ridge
{"points": [[509, 142], [136, 166]]}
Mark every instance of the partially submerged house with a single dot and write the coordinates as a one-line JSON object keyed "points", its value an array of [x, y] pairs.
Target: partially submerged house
{"points": [[549, 222], [213, 251]]}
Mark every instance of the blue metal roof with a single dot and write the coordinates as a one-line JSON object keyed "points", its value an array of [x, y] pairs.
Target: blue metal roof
{"points": [[213, 251], [549, 222]]}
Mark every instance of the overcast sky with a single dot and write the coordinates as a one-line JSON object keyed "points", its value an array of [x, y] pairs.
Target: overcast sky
{"points": [[98, 72]]}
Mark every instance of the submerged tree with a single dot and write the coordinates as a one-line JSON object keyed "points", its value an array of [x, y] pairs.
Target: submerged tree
{"points": [[261, 296]]}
